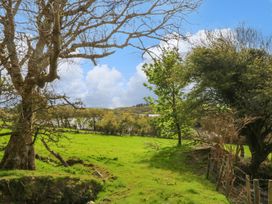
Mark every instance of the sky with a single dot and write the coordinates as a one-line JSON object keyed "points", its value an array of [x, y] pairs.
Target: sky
{"points": [[117, 80]]}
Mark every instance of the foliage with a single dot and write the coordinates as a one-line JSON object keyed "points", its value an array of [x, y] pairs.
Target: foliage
{"points": [[120, 121], [166, 79], [125, 123], [238, 77]]}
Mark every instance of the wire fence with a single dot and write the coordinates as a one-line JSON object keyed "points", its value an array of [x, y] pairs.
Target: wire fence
{"points": [[234, 182]]}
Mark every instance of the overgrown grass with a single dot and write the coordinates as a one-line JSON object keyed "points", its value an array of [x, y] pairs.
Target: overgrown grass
{"points": [[146, 170]]}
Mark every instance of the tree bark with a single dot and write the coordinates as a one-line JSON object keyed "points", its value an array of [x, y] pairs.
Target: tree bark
{"points": [[256, 132], [19, 153], [256, 159], [242, 151], [258, 152], [94, 124], [179, 135]]}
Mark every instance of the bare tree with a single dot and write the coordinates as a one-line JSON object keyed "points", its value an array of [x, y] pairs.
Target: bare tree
{"points": [[37, 34]]}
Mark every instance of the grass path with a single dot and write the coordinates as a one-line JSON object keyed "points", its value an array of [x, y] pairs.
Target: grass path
{"points": [[148, 170]]}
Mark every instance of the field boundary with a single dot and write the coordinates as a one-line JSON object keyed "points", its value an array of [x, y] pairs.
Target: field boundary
{"points": [[234, 182]]}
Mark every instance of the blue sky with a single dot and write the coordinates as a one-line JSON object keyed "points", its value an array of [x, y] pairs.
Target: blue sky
{"points": [[118, 79], [229, 13], [212, 14]]}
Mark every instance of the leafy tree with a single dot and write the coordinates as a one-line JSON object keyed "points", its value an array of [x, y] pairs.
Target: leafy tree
{"points": [[94, 116], [166, 79], [62, 115], [237, 72], [126, 123], [109, 123]]}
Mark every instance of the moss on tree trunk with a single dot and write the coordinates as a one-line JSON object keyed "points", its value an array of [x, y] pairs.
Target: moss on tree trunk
{"points": [[19, 153]]}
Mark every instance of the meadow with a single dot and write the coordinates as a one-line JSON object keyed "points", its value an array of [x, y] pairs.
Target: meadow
{"points": [[132, 169]]}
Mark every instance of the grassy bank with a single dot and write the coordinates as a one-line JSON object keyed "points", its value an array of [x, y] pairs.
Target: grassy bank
{"points": [[136, 169]]}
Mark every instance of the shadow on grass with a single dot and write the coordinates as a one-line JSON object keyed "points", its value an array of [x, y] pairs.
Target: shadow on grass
{"points": [[179, 159]]}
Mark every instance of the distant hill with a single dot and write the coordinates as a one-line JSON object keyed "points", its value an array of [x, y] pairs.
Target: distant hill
{"points": [[137, 109]]}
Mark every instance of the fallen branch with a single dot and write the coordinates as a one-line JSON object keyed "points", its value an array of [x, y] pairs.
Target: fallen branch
{"points": [[55, 154], [45, 159], [5, 134], [97, 173]]}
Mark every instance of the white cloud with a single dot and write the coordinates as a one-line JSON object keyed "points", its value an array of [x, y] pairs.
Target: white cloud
{"points": [[104, 86], [72, 80], [134, 91], [186, 43]]}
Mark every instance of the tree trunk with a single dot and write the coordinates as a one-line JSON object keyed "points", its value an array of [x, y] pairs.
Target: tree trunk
{"points": [[179, 134], [256, 133], [19, 153], [242, 149], [58, 122], [94, 124], [257, 157]]}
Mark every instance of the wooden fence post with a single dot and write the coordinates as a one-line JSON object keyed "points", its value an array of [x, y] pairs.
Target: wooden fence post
{"points": [[221, 172], [230, 176], [270, 192], [248, 190], [256, 191], [212, 163]]}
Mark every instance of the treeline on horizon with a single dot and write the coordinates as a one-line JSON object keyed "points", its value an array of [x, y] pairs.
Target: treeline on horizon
{"points": [[135, 120]]}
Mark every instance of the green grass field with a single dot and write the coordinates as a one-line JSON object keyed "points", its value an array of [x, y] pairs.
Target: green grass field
{"points": [[145, 170]]}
